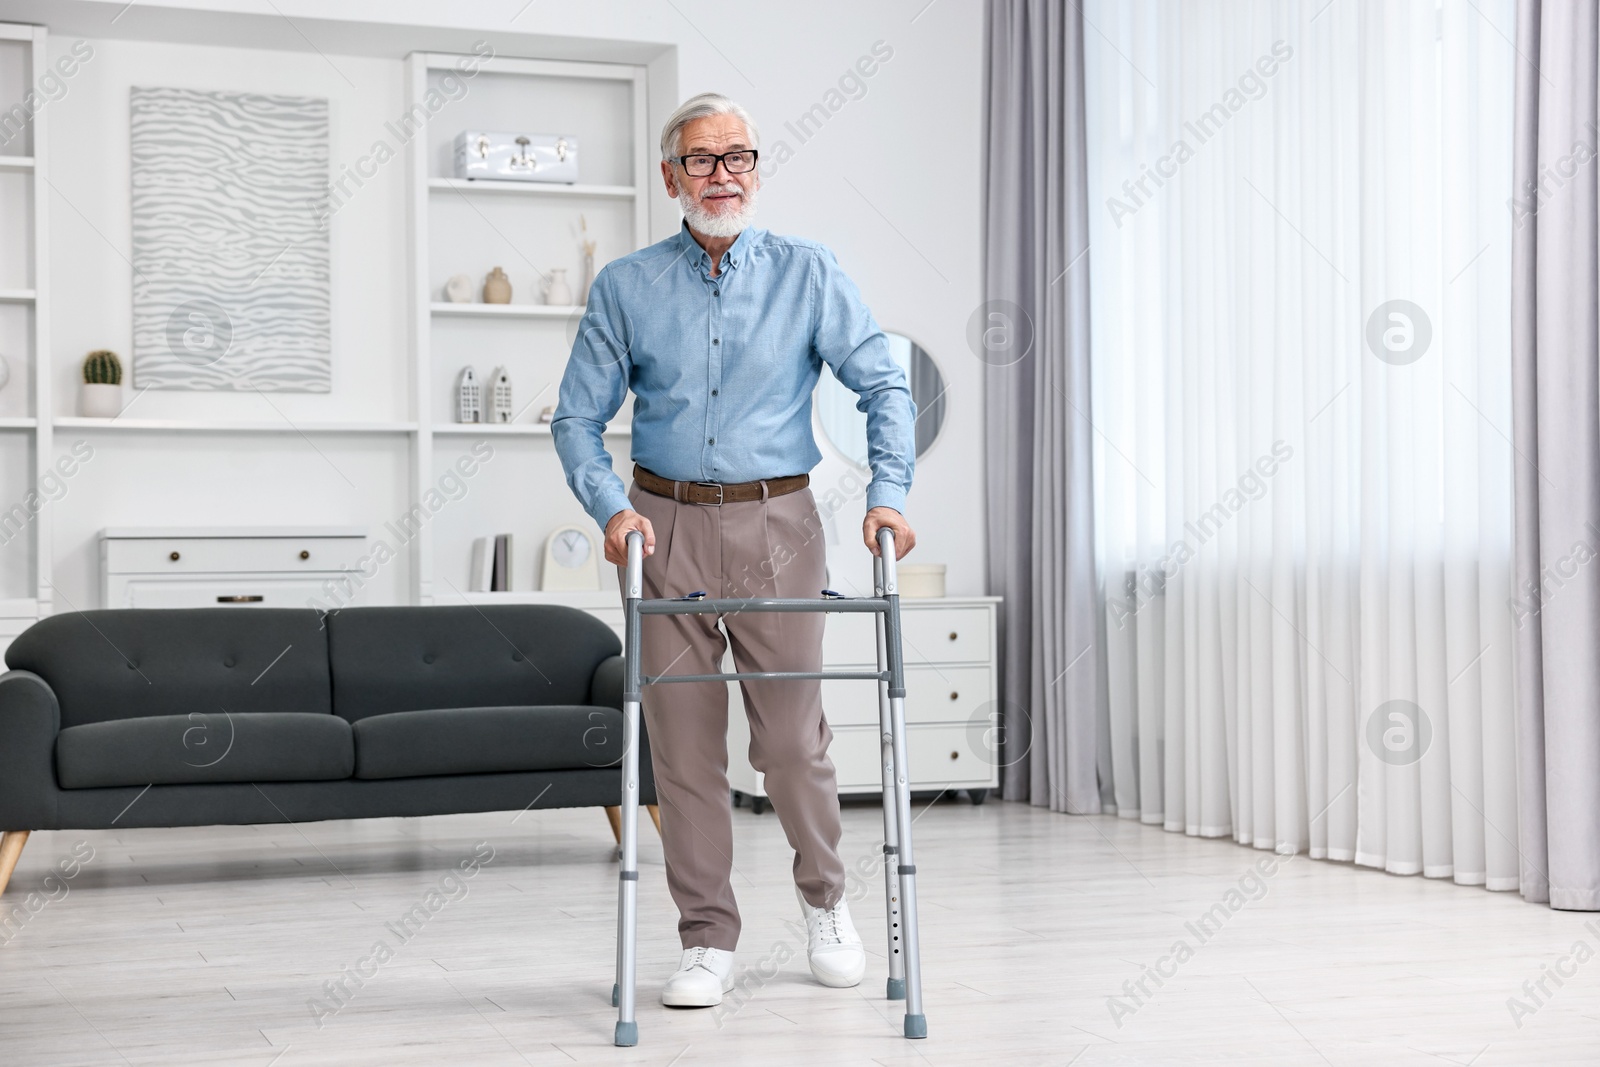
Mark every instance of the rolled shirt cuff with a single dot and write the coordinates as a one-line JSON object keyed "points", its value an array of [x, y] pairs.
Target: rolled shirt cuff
{"points": [[609, 504], [884, 495]]}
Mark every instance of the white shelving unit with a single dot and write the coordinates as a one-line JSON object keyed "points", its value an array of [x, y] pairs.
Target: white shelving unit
{"points": [[469, 226], [453, 226], [24, 312]]}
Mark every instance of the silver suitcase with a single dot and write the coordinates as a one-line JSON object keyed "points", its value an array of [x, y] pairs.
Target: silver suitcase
{"points": [[517, 157]]}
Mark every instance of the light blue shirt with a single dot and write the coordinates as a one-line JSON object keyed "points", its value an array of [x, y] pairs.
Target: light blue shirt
{"points": [[723, 369]]}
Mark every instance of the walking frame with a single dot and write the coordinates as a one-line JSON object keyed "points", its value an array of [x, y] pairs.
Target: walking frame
{"points": [[899, 866]]}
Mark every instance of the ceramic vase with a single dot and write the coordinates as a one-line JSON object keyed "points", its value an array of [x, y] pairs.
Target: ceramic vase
{"points": [[556, 289], [497, 288]]}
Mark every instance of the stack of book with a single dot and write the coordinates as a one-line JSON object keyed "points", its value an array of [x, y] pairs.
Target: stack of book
{"points": [[491, 564]]}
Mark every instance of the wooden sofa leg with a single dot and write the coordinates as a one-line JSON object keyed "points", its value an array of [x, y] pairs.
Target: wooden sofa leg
{"points": [[10, 851], [614, 813]]}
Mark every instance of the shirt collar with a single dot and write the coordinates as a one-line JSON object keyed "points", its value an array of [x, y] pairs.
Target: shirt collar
{"points": [[736, 254]]}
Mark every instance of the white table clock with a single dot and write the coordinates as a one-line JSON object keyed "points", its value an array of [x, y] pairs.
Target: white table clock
{"points": [[571, 561]]}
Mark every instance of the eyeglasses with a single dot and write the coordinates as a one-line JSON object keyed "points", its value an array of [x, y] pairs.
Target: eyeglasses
{"points": [[704, 164]]}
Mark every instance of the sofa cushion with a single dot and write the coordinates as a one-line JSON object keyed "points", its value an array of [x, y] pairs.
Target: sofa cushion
{"points": [[412, 744], [180, 749], [394, 659], [134, 663]]}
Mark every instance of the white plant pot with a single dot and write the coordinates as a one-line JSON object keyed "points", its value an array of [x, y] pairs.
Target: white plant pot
{"points": [[99, 401]]}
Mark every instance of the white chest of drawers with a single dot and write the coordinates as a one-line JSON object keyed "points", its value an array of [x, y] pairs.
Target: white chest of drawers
{"points": [[221, 566], [950, 646]]}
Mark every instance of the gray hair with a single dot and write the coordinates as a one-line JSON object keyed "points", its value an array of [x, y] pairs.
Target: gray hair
{"points": [[699, 107]]}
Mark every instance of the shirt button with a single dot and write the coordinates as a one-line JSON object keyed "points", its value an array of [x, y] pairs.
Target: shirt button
{"points": [[711, 440], [716, 292], [713, 392], [716, 340]]}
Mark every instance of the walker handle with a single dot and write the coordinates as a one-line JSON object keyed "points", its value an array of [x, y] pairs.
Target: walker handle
{"points": [[886, 556], [635, 575]]}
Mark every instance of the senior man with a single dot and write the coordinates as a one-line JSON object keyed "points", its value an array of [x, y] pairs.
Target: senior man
{"points": [[721, 331]]}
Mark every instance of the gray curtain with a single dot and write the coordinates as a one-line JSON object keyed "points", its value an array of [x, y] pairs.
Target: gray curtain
{"points": [[1556, 426], [1033, 335]]}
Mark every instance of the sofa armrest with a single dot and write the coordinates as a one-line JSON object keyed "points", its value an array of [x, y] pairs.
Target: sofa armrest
{"points": [[30, 719], [605, 689]]}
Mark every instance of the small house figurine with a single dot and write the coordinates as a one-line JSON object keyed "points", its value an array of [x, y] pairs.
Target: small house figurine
{"points": [[469, 400], [499, 406]]}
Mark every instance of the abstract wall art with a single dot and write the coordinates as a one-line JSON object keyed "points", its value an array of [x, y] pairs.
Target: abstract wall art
{"points": [[230, 241]]}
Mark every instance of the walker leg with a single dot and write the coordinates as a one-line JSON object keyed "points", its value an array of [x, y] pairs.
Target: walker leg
{"points": [[628, 882], [896, 985], [916, 1023], [627, 1031]]}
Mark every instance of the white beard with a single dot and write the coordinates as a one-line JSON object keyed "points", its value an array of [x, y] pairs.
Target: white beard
{"points": [[726, 223]]}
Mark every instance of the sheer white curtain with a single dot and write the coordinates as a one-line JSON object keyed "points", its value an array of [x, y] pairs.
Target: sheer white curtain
{"points": [[1299, 252]]}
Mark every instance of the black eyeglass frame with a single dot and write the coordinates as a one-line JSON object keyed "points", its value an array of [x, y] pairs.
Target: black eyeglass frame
{"points": [[753, 153]]}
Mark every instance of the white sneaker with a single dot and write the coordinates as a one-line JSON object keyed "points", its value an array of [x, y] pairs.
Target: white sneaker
{"points": [[703, 975], [833, 946]]}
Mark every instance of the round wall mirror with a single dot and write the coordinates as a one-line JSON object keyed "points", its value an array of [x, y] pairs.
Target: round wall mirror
{"points": [[846, 428]]}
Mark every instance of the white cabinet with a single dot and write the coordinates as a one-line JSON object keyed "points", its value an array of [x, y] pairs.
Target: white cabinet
{"points": [[260, 566], [949, 646]]}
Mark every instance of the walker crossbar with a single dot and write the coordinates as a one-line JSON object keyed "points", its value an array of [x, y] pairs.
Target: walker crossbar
{"points": [[900, 873], [771, 676], [734, 605]]}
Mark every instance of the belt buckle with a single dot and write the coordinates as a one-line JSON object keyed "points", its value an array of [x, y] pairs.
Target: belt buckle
{"points": [[718, 487]]}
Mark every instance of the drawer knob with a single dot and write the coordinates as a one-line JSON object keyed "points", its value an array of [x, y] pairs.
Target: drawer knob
{"points": [[952, 635], [955, 755], [955, 696], [173, 557], [244, 598], [305, 553]]}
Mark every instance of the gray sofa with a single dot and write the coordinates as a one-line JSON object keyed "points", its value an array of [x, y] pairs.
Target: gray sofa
{"points": [[230, 716]]}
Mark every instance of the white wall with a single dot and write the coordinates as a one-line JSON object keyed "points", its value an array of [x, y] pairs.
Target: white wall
{"points": [[890, 183]]}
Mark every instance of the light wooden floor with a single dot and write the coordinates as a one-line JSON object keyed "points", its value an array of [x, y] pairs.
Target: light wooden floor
{"points": [[205, 947]]}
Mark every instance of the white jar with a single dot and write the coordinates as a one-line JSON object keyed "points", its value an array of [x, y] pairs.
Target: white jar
{"points": [[920, 579]]}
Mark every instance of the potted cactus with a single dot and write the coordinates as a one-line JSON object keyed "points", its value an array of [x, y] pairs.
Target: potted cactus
{"points": [[100, 396]]}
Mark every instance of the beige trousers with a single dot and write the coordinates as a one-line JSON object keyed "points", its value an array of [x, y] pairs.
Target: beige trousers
{"points": [[757, 548]]}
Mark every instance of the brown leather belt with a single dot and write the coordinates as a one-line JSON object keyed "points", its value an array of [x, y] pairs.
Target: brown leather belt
{"points": [[718, 493]]}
